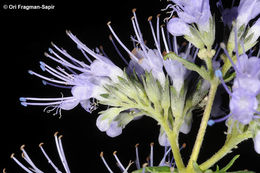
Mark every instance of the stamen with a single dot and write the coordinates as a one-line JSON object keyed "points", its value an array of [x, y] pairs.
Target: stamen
{"points": [[187, 51], [137, 25], [158, 30], [218, 74], [28, 160], [128, 166], [222, 45], [140, 41], [154, 37], [54, 72], [85, 55], [212, 122], [64, 62], [216, 54], [164, 40], [56, 85], [118, 161], [118, 40], [105, 163], [144, 166], [137, 157], [20, 164], [164, 157], [117, 50], [61, 153], [168, 38], [64, 52], [151, 154], [49, 160], [46, 78], [83, 46], [102, 50]]}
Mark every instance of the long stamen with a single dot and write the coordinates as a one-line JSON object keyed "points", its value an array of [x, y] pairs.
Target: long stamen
{"points": [[118, 161], [118, 40], [164, 157], [28, 160], [154, 37], [83, 46], [151, 154], [46, 78], [158, 30], [212, 122], [62, 152], [55, 85], [44, 99], [138, 36], [64, 52], [105, 163], [137, 157], [164, 40], [20, 164], [117, 50], [218, 74], [55, 72], [49, 160], [137, 25], [64, 62], [222, 45]]}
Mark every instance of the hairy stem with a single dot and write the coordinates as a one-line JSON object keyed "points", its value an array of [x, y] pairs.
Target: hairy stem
{"points": [[203, 125]]}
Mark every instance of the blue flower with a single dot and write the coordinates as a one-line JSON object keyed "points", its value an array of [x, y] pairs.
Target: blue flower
{"points": [[247, 10]]}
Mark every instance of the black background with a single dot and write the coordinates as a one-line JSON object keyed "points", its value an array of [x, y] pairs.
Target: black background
{"points": [[26, 35]]}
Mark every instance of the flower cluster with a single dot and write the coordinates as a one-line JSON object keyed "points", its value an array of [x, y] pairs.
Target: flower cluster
{"points": [[244, 100], [167, 82], [93, 82]]}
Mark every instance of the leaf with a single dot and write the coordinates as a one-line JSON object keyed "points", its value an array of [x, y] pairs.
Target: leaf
{"points": [[159, 169], [230, 163]]}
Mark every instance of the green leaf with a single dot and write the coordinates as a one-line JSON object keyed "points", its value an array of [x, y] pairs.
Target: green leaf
{"points": [[230, 163], [159, 169]]}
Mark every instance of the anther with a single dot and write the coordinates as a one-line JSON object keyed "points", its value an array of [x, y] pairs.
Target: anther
{"points": [[152, 144], [4, 170], [22, 147], [60, 136], [12, 156], [136, 145], [183, 145], [149, 18], [134, 10], [56, 133], [114, 153], [41, 144], [158, 15], [109, 22], [101, 154]]}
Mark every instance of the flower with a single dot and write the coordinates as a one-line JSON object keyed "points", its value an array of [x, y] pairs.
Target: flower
{"points": [[247, 10], [34, 168]]}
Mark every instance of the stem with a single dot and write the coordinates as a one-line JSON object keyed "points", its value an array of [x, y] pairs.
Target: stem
{"points": [[203, 125], [228, 146], [173, 139]]}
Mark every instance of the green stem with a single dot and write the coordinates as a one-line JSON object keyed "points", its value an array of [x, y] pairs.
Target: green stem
{"points": [[173, 139], [228, 146], [203, 125]]}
